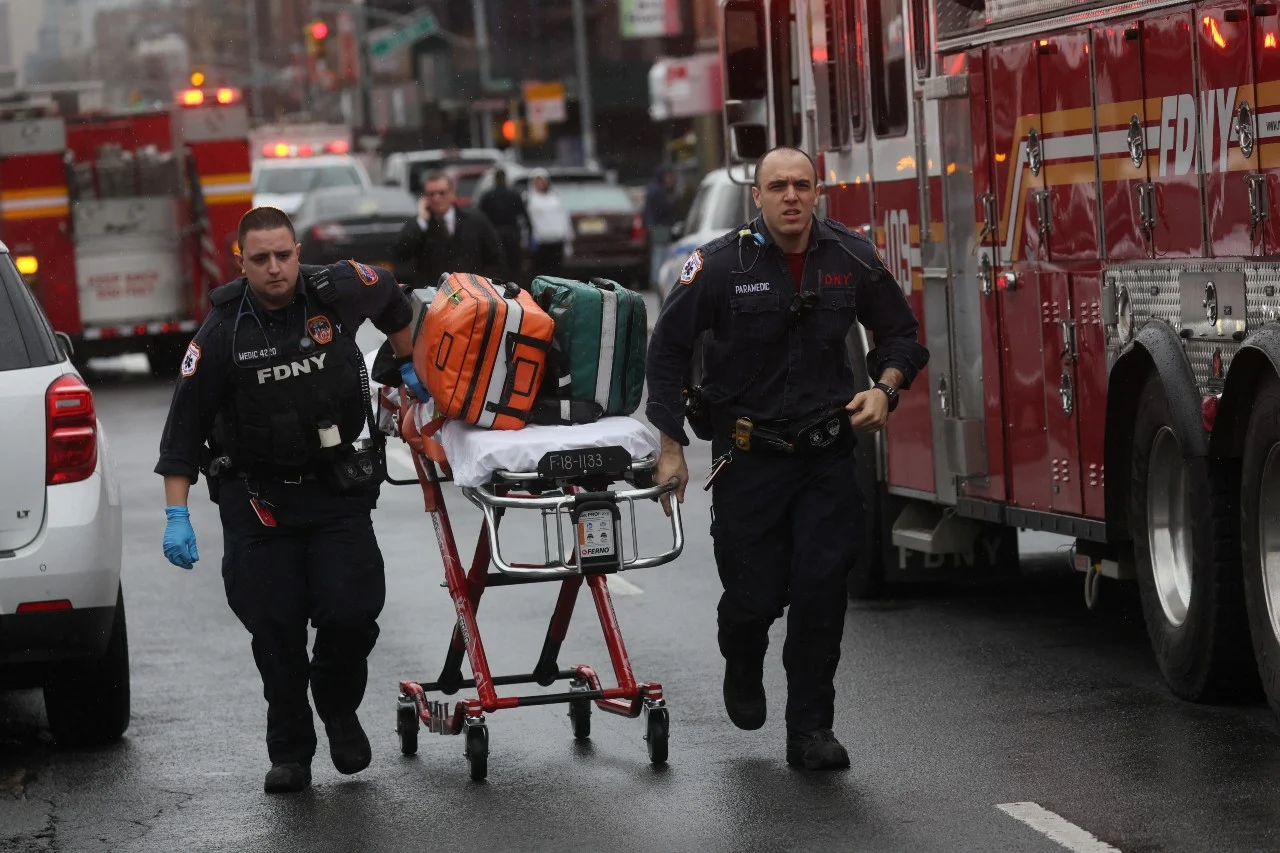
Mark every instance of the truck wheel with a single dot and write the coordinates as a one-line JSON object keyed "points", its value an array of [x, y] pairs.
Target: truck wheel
{"points": [[88, 704], [1260, 534], [1184, 517]]}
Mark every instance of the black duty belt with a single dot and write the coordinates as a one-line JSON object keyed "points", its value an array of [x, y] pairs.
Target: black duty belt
{"points": [[801, 437], [222, 467]]}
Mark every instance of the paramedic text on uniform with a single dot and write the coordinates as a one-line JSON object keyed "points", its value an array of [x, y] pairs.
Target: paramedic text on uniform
{"points": [[272, 380], [779, 298]]}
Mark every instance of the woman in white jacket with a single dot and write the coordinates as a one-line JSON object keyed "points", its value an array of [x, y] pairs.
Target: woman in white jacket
{"points": [[549, 223]]}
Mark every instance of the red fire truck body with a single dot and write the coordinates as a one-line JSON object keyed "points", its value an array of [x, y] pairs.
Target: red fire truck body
{"points": [[122, 223], [1081, 201]]}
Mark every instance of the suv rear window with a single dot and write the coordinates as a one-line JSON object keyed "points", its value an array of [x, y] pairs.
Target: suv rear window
{"points": [[25, 337]]}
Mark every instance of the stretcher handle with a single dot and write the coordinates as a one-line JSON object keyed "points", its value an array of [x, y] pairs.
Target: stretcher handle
{"points": [[554, 502], [489, 504]]}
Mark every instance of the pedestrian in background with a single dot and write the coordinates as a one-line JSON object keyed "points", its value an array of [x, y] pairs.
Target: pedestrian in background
{"points": [[298, 541], [445, 238], [550, 229], [659, 216], [504, 207]]}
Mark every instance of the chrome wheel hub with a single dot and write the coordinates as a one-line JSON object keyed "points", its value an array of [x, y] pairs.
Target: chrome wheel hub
{"points": [[1168, 527]]}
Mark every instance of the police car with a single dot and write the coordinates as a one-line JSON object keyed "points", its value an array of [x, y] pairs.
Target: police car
{"points": [[62, 620], [718, 206]]}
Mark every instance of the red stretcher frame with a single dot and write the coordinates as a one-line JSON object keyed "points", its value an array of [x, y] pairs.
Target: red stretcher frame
{"points": [[414, 709]]}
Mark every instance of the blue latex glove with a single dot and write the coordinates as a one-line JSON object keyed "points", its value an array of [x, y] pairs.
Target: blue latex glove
{"points": [[410, 378], [180, 538]]}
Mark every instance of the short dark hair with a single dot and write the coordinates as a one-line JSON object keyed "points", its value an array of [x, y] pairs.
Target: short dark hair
{"points": [[500, 177], [264, 219], [437, 175], [760, 162]]}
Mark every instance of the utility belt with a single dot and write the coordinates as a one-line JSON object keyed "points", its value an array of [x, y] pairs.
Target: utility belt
{"points": [[811, 436], [347, 468]]}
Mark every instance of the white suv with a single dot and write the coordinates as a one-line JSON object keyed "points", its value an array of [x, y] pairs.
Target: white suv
{"points": [[62, 623]]}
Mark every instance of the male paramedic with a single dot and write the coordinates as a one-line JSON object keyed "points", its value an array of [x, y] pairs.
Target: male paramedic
{"points": [[273, 381], [778, 297]]}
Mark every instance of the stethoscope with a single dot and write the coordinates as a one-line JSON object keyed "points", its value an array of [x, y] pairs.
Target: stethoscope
{"points": [[247, 309]]}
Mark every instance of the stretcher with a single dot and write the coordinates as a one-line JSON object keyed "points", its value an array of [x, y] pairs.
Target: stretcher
{"points": [[584, 481]]}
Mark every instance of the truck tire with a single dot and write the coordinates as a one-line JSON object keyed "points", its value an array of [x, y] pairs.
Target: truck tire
{"points": [[1260, 534], [88, 704], [1188, 558]]}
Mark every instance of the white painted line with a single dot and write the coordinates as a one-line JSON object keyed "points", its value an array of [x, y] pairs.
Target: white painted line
{"points": [[1056, 828], [618, 585]]}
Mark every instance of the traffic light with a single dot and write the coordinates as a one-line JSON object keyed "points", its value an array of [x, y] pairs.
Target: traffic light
{"points": [[512, 131], [317, 33]]}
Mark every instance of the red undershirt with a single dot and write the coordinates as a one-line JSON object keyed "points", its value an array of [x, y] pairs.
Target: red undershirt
{"points": [[796, 261]]}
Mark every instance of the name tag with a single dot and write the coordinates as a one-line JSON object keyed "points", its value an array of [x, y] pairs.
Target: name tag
{"points": [[757, 287]]}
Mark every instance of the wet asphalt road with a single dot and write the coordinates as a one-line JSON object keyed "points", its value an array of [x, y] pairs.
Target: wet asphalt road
{"points": [[952, 701]]}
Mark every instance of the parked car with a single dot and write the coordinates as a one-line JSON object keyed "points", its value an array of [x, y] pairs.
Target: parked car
{"points": [[62, 619], [518, 176], [359, 223], [465, 181], [609, 238], [719, 205], [285, 182], [406, 169]]}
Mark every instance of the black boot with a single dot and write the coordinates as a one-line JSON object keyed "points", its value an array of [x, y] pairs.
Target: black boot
{"points": [[287, 777], [348, 745], [816, 750], [744, 692]]}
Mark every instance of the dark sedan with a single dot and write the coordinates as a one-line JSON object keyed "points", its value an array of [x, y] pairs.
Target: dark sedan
{"points": [[609, 238], [359, 223]]}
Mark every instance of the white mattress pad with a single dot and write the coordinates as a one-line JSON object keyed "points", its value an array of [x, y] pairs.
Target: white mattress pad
{"points": [[474, 454]]}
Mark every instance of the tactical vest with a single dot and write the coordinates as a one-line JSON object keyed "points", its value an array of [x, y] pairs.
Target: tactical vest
{"points": [[286, 385]]}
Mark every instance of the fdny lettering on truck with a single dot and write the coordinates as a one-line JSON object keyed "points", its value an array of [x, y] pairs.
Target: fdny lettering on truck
{"points": [[1169, 140], [288, 371]]}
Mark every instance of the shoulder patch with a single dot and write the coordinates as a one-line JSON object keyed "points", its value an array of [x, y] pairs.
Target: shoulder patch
{"points": [[367, 274], [691, 267], [191, 359]]}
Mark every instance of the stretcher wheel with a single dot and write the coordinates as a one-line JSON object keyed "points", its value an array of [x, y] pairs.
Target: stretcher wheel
{"points": [[407, 726], [478, 751], [656, 728], [580, 718]]}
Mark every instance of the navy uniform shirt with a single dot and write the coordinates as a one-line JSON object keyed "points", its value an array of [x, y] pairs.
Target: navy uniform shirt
{"points": [[766, 356], [204, 384]]}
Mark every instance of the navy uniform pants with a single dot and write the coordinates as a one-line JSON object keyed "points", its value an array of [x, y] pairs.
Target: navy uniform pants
{"points": [[320, 563], [786, 532]]}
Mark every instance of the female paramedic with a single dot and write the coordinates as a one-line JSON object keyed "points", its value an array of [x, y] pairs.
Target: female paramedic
{"points": [[780, 296], [275, 383]]}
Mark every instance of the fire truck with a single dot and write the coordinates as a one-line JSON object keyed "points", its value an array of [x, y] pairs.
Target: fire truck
{"points": [[122, 223], [1080, 201]]}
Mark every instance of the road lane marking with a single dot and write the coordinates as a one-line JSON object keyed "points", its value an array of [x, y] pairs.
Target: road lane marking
{"points": [[619, 585], [1056, 828]]}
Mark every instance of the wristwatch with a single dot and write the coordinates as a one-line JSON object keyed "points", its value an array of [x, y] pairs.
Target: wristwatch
{"points": [[890, 392]]}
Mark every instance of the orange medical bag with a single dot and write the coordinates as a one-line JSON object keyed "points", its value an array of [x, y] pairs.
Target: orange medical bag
{"points": [[482, 351]]}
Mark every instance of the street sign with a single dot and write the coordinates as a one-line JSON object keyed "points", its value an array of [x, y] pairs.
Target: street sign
{"points": [[544, 102], [409, 31]]}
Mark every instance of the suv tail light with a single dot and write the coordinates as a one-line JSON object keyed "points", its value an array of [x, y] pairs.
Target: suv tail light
{"points": [[71, 427], [330, 232], [637, 229]]}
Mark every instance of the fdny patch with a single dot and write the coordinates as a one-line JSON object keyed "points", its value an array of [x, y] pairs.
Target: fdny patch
{"points": [[367, 274], [691, 267], [191, 359], [319, 329]]}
